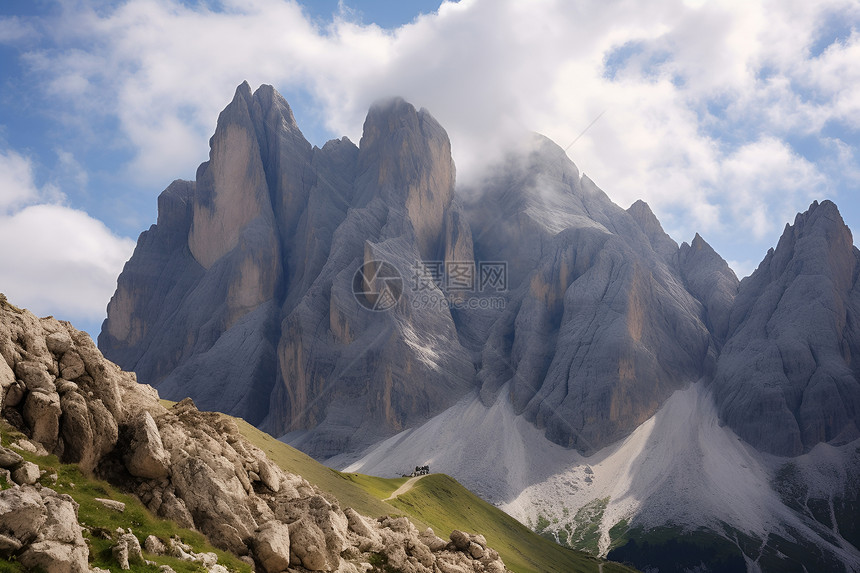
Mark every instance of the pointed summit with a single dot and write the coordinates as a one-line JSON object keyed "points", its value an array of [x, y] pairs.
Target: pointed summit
{"points": [[660, 241], [406, 161], [788, 375], [710, 279], [241, 297]]}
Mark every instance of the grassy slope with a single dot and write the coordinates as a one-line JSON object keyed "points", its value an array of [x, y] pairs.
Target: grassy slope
{"points": [[437, 501], [441, 501], [362, 493], [85, 489]]}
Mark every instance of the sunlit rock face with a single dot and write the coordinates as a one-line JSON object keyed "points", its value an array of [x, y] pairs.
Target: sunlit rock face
{"points": [[241, 295]]}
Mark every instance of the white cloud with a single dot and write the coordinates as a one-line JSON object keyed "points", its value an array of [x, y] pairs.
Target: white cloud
{"points": [[13, 29], [16, 181], [55, 259], [71, 169], [764, 179], [701, 98]]}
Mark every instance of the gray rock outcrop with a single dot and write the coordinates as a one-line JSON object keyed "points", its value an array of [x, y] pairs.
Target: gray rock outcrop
{"points": [[599, 328], [241, 296], [147, 457], [788, 377], [272, 546], [40, 528], [127, 551], [209, 477]]}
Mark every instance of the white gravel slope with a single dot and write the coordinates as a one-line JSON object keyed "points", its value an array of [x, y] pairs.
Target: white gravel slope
{"points": [[680, 467]]}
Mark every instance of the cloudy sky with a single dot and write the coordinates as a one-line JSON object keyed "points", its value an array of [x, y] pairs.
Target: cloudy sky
{"points": [[726, 117]]}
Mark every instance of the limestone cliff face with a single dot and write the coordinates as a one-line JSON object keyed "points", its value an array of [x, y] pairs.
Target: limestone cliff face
{"points": [[196, 308], [708, 277], [241, 295], [788, 374], [600, 329], [364, 374]]}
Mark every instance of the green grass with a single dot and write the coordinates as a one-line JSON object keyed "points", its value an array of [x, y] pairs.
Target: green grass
{"points": [[437, 501], [585, 534], [85, 489], [446, 505], [380, 488], [349, 489], [672, 548]]}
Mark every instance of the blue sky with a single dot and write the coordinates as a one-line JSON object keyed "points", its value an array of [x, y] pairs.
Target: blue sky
{"points": [[726, 117]]}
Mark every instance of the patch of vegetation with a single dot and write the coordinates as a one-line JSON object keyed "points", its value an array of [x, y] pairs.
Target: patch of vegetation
{"points": [[618, 534], [586, 526], [101, 522], [847, 509], [446, 505], [672, 549], [795, 553], [349, 489], [542, 524], [380, 564], [794, 493], [788, 483]]}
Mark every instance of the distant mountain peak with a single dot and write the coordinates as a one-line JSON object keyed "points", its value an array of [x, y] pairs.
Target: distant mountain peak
{"points": [[660, 241], [794, 329]]}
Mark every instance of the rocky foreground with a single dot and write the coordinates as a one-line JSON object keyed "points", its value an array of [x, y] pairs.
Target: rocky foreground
{"points": [[191, 467]]}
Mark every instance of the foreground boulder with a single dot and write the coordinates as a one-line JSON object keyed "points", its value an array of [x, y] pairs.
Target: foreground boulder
{"points": [[41, 528]]}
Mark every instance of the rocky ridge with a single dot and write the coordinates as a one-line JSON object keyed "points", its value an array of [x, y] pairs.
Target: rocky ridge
{"points": [[600, 327], [241, 296], [189, 466], [603, 314], [794, 329]]}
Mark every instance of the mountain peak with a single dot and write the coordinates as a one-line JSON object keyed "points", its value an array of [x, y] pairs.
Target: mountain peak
{"points": [[819, 216], [405, 160], [396, 117], [270, 101], [817, 231], [793, 326], [660, 241], [243, 89]]}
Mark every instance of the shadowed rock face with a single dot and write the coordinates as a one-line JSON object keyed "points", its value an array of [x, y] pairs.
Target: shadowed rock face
{"points": [[600, 328], [708, 277], [355, 375], [787, 377]]}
